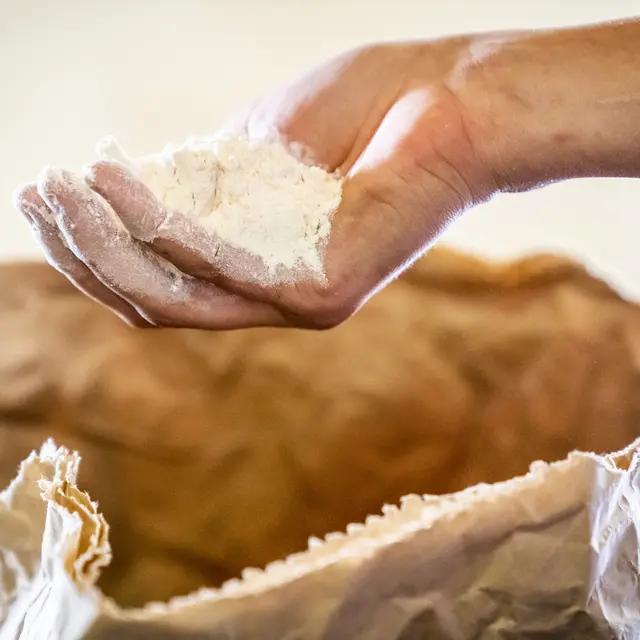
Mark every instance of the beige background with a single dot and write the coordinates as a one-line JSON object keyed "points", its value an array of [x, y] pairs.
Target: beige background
{"points": [[151, 71]]}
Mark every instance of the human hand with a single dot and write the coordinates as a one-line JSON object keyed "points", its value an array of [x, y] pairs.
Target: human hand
{"points": [[382, 116], [413, 128]]}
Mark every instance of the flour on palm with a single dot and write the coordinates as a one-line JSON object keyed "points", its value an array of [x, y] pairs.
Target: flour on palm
{"points": [[251, 195]]}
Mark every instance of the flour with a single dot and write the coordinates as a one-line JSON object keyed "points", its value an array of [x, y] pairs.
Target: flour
{"points": [[253, 196]]}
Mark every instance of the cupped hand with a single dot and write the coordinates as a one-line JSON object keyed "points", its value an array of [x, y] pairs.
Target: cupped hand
{"points": [[390, 118]]}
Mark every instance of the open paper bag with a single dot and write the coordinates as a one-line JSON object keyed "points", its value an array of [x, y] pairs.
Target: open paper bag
{"points": [[553, 554], [212, 452]]}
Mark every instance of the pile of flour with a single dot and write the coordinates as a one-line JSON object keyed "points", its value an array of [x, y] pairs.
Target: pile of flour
{"points": [[251, 195]]}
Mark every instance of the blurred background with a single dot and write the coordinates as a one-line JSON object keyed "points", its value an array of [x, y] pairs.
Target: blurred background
{"points": [[210, 452], [153, 71]]}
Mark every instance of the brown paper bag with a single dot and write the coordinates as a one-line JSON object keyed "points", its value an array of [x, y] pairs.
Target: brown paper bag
{"points": [[460, 372]]}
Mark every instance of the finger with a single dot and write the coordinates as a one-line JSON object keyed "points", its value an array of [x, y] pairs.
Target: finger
{"points": [[58, 255], [163, 294], [189, 246]]}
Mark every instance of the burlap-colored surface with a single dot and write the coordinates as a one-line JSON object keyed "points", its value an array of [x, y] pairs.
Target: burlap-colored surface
{"points": [[458, 373]]}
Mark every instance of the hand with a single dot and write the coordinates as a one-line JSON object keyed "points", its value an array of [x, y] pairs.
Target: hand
{"points": [[382, 115], [421, 132]]}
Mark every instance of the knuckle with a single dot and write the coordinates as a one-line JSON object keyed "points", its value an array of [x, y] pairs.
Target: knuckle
{"points": [[165, 314], [322, 308]]}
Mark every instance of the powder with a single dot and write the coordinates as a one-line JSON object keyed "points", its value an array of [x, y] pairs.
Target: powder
{"points": [[252, 195]]}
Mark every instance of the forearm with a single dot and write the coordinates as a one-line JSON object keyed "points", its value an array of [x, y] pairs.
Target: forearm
{"points": [[558, 104]]}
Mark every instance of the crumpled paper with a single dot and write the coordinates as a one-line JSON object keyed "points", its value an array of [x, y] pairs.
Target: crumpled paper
{"points": [[299, 432], [553, 554]]}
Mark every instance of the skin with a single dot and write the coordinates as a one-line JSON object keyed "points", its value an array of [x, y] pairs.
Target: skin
{"points": [[422, 132]]}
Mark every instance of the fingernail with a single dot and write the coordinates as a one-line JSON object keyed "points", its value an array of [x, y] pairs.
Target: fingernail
{"points": [[101, 170], [94, 173], [51, 179], [23, 200], [18, 196], [53, 176], [48, 178]]}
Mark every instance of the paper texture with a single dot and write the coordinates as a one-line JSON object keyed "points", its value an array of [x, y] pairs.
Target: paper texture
{"points": [[553, 554]]}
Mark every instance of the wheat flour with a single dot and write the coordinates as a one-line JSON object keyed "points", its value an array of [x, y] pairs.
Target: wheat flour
{"points": [[252, 195]]}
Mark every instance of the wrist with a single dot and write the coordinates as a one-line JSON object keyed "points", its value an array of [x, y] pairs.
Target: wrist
{"points": [[549, 106]]}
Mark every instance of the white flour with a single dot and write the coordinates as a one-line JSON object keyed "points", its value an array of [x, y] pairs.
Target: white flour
{"points": [[251, 195]]}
